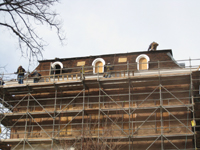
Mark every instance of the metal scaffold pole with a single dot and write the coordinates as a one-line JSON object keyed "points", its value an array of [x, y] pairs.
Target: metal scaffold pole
{"points": [[129, 100], [161, 118], [99, 115], [193, 110], [54, 117], [161, 107], [82, 132], [25, 132]]}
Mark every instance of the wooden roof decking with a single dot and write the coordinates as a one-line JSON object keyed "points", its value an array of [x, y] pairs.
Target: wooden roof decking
{"points": [[61, 78], [106, 83]]}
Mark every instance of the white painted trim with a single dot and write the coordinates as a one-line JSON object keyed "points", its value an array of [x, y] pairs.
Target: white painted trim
{"points": [[57, 63], [164, 72], [97, 60], [142, 56]]}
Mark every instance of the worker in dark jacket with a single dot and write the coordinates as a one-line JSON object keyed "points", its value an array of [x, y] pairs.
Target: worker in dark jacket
{"points": [[36, 76], [1, 82], [20, 72], [108, 69], [153, 46]]}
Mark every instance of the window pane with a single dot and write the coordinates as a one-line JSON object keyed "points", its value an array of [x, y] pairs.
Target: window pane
{"points": [[142, 64], [99, 67]]}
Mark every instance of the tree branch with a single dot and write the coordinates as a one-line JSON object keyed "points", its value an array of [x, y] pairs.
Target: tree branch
{"points": [[20, 17]]}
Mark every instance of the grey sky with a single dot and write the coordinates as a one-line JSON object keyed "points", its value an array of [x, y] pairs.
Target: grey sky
{"points": [[96, 27]]}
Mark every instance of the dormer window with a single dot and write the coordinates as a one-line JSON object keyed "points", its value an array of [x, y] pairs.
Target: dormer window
{"points": [[56, 67], [98, 65], [142, 62]]}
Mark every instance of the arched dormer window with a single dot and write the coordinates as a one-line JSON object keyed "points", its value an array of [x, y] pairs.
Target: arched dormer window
{"points": [[57, 67], [142, 62], [98, 65]]}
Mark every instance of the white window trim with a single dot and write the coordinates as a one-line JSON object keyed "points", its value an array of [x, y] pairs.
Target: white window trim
{"points": [[57, 63], [97, 60], [142, 56]]}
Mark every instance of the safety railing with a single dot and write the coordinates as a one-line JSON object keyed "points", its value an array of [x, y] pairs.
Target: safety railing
{"points": [[100, 72]]}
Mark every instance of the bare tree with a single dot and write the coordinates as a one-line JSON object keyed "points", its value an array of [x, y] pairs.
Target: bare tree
{"points": [[22, 16]]}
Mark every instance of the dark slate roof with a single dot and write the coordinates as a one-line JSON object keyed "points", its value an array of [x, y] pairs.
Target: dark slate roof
{"points": [[130, 53]]}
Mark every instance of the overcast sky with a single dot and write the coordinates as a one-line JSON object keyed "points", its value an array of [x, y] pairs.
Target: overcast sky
{"points": [[95, 27]]}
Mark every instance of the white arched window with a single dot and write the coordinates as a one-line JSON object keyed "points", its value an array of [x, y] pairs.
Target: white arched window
{"points": [[57, 66], [142, 62], [98, 65]]}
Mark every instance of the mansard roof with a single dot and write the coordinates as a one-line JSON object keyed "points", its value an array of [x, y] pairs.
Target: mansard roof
{"points": [[114, 54]]}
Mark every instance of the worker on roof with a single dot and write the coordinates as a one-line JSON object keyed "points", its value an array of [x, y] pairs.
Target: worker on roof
{"points": [[153, 46], [82, 71], [36, 76], [1, 82], [108, 69], [20, 72]]}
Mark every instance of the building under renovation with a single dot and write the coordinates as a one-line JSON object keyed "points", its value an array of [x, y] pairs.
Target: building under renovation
{"points": [[129, 101]]}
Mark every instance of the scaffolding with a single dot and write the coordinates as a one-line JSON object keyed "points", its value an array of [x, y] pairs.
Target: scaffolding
{"points": [[152, 109]]}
